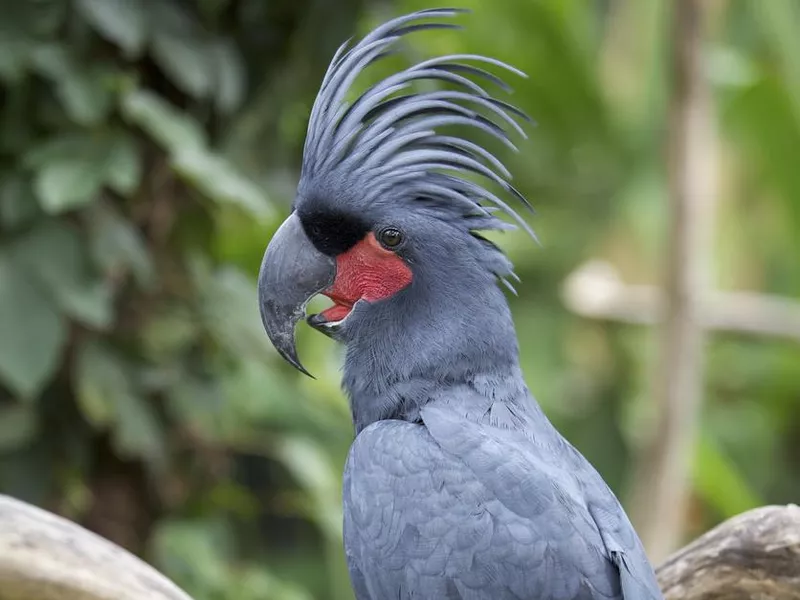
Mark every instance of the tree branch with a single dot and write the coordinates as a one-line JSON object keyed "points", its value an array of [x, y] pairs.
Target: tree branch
{"points": [[595, 290], [46, 557], [753, 555]]}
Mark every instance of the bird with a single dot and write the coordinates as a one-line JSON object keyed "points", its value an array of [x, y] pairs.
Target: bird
{"points": [[456, 486]]}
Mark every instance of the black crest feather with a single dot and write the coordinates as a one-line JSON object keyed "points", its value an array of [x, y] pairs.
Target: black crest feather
{"points": [[387, 144]]}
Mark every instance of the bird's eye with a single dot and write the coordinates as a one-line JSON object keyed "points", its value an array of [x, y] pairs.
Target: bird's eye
{"points": [[390, 237]]}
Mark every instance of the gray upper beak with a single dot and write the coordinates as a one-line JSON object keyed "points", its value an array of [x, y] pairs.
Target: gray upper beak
{"points": [[292, 272]]}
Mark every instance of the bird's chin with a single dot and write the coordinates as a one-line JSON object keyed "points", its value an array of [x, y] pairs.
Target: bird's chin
{"points": [[331, 323]]}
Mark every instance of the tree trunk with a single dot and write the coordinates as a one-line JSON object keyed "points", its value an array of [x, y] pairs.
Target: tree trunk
{"points": [[661, 484]]}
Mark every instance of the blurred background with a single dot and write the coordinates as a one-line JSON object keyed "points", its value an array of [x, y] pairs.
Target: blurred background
{"points": [[149, 149]]}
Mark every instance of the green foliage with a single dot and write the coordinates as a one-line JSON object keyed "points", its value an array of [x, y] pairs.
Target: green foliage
{"points": [[34, 332], [123, 335], [149, 148]]}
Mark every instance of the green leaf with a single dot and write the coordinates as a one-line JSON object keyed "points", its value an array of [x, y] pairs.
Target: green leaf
{"points": [[200, 555], [18, 205], [84, 91], [199, 405], [28, 474], [18, 425], [15, 52], [67, 184], [72, 169], [18, 127], [139, 433], [762, 119], [181, 48], [778, 19], [311, 466], [40, 19], [250, 408], [193, 553], [33, 332], [69, 172], [92, 304], [99, 377], [719, 482], [185, 140], [124, 165], [187, 61], [19, 29], [162, 122], [230, 313], [56, 255], [117, 245], [211, 9], [254, 583], [230, 84], [108, 398], [61, 147], [86, 95], [169, 333], [218, 180], [53, 253], [123, 22]]}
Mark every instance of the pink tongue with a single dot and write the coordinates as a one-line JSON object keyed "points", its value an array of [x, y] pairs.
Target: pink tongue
{"points": [[335, 313]]}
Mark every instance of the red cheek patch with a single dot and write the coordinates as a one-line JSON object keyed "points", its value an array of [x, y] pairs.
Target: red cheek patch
{"points": [[367, 271]]}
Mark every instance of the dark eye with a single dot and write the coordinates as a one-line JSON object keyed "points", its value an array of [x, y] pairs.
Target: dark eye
{"points": [[390, 237]]}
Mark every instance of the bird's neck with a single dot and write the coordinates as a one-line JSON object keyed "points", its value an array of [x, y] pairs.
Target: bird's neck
{"points": [[416, 351]]}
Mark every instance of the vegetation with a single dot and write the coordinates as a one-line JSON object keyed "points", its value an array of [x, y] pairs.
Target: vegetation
{"points": [[148, 150]]}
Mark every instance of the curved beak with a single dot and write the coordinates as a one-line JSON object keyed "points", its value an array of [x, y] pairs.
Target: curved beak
{"points": [[292, 272]]}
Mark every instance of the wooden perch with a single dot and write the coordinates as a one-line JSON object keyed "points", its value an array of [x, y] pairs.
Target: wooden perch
{"points": [[753, 555], [46, 557]]}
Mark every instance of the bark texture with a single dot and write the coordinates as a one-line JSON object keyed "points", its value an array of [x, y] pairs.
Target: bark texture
{"points": [[755, 555], [46, 557]]}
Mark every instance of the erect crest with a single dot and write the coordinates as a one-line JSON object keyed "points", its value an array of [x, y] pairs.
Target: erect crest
{"points": [[387, 145]]}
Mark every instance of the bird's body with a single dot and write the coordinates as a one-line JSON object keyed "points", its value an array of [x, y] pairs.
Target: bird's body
{"points": [[457, 487], [482, 499]]}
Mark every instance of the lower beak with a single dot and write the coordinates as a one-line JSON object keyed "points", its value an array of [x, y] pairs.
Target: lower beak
{"points": [[292, 272]]}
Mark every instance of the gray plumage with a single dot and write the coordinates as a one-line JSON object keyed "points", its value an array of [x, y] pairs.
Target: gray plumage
{"points": [[483, 500], [457, 486]]}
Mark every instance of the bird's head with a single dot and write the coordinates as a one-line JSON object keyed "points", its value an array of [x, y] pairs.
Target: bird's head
{"points": [[386, 218]]}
